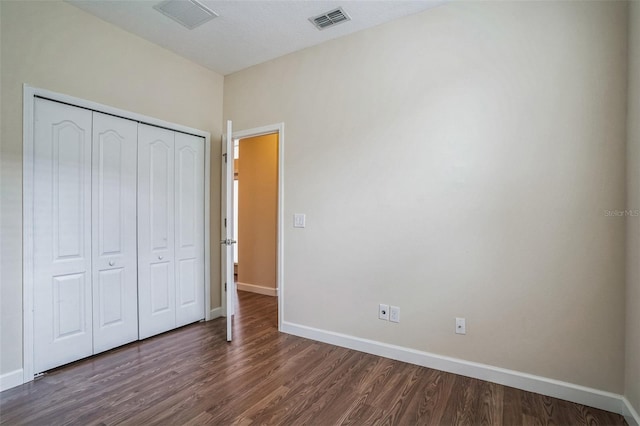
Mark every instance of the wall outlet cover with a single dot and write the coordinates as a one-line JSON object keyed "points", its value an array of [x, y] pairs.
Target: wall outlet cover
{"points": [[383, 312], [394, 314]]}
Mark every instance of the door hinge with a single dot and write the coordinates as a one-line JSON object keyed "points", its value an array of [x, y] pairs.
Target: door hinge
{"points": [[225, 157], [225, 286], [225, 222]]}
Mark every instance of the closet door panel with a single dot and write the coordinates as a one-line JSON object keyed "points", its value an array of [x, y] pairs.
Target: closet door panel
{"points": [[108, 289], [62, 234], [156, 274], [189, 196], [161, 287], [115, 290]]}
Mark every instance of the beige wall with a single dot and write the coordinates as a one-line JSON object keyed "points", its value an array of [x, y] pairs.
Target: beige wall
{"points": [[258, 210], [632, 388], [458, 162], [55, 46]]}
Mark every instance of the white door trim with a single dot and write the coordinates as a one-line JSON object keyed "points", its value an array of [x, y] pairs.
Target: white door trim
{"points": [[29, 95], [259, 131]]}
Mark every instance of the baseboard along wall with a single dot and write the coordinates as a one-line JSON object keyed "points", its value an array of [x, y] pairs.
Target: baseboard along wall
{"points": [[252, 288], [216, 312], [11, 379], [528, 382], [630, 414]]}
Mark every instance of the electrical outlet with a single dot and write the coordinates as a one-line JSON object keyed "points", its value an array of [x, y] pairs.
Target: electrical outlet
{"points": [[383, 312], [461, 326], [394, 314]]}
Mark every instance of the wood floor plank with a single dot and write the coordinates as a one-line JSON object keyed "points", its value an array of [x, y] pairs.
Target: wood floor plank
{"points": [[428, 403], [511, 406], [401, 394], [354, 413], [489, 402], [459, 408], [192, 376], [307, 393], [328, 408], [255, 409]]}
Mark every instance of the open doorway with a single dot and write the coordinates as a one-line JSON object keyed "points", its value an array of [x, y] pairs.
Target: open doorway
{"points": [[256, 213], [256, 220]]}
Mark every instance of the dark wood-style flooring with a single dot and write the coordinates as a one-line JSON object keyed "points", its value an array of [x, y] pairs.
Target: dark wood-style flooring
{"points": [[192, 376]]}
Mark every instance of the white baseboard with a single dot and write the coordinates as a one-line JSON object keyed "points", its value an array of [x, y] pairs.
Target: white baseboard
{"points": [[267, 291], [568, 391], [215, 313], [11, 379], [630, 414]]}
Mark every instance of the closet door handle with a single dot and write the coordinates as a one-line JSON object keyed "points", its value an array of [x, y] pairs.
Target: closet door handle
{"points": [[159, 257], [111, 263]]}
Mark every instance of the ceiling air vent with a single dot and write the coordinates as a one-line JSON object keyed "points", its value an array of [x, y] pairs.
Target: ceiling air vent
{"points": [[330, 19], [188, 13]]}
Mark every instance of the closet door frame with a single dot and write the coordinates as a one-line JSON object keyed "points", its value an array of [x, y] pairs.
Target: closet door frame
{"points": [[29, 95]]}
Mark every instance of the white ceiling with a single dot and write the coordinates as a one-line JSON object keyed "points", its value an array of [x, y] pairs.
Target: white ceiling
{"points": [[247, 32]]}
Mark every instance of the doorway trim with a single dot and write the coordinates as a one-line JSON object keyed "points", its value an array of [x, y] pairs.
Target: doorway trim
{"points": [[277, 128], [29, 95]]}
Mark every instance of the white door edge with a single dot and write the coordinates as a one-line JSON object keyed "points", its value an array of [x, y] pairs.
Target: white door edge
{"points": [[226, 228]]}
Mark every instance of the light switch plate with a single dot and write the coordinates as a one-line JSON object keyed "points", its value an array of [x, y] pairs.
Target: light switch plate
{"points": [[299, 220]]}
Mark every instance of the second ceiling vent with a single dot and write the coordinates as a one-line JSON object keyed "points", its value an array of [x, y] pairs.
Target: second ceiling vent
{"points": [[188, 13], [330, 19]]}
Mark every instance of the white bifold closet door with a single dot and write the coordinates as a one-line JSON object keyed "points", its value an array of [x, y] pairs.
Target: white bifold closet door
{"points": [[114, 269], [156, 266], [85, 283], [189, 230], [62, 234], [170, 229]]}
